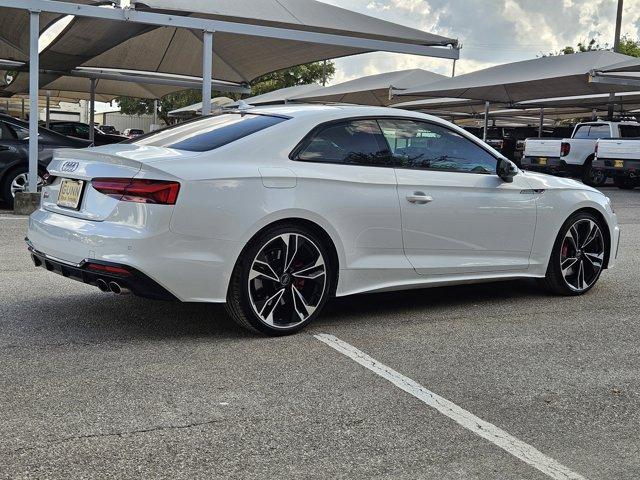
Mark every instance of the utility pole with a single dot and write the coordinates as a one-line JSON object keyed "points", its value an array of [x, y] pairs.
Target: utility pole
{"points": [[324, 73], [616, 48]]}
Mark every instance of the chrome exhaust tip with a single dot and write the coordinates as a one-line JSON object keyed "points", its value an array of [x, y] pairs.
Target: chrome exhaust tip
{"points": [[117, 289], [102, 285]]}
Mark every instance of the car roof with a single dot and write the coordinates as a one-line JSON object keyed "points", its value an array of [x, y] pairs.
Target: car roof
{"points": [[327, 112]]}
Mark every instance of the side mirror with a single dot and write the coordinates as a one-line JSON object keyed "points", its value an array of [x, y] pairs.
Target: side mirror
{"points": [[506, 170]]}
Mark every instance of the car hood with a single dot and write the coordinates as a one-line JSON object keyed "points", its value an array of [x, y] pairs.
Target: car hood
{"points": [[548, 182]]}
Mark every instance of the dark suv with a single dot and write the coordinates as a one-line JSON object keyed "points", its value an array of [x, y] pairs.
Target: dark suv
{"points": [[81, 130]]}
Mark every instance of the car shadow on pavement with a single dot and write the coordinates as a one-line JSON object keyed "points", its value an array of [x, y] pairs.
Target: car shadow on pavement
{"points": [[92, 318], [448, 299]]}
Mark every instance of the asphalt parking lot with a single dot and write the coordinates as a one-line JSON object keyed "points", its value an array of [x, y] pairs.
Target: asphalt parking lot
{"points": [[99, 386]]}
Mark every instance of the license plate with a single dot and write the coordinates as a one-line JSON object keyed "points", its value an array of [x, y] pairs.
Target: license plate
{"points": [[70, 191], [542, 161], [618, 163]]}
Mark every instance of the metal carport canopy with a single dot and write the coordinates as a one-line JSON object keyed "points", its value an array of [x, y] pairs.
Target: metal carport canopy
{"points": [[556, 76], [252, 37], [257, 37], [372, 89], [282, 95]]}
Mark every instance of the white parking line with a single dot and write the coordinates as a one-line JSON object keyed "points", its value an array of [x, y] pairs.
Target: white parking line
{"points": [[468, 420]]}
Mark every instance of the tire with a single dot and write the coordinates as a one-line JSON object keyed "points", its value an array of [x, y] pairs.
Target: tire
{"points": [[591, 177], [625, 183], [279, 297], [13, 179], [581, 238]]}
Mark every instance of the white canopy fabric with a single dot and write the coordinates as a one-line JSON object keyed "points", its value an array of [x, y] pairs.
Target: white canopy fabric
{"points": [[14, 30], [238, 57], [106, 89], [281, 95], [372, 89], [546, 77], [440, 104], [216, 104], [621, 99]]}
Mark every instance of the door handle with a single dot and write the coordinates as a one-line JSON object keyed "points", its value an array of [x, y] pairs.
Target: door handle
{"points": [[419, 198]]}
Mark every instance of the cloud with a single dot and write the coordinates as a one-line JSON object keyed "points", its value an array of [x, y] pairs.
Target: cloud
{"points": [[490, 31]]}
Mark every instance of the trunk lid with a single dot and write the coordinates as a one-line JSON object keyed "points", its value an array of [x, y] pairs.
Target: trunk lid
{"points": [[542, 148], [619, 149], [112, 161]]}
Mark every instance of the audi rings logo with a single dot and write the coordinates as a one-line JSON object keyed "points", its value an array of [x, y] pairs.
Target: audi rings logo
{"points": [[69, 166]]}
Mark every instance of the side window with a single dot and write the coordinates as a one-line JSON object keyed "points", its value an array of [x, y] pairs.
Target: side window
{"points": [[357, 142], [629, 131], [18, 132], [582, 131], [600, 131], [431, 147], [5, 132]]}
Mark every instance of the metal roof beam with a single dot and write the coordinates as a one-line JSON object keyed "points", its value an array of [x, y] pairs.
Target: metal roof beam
{"points": [[180, 21]]}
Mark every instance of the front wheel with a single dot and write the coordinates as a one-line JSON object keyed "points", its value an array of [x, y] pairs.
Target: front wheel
{"points": [[281, 281], [578, 256], [593, 177]]}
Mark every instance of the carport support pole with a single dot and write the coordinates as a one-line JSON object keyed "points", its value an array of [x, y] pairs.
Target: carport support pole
{"points": [[207, 70], [541, 123], [486, 121], [155, 112], [48, 110], [34, 70], [92, 110]]}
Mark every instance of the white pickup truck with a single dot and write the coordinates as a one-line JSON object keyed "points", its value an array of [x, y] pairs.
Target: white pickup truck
{"points": [[619, 159], [575, 155]]}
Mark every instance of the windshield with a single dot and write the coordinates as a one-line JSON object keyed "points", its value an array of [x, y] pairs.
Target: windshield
{"points": [[208, 133]]}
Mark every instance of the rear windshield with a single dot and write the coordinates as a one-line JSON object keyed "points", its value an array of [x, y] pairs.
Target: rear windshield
{"points": [[208, 133]]}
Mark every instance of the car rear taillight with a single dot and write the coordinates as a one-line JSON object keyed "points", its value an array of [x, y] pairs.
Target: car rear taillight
{"points": [[595, 152], [565, 148], [138, 190]]}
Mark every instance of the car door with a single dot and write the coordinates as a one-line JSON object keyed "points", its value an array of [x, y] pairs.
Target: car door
{"points": [[11, 148], [458, 216], [345, 171]]}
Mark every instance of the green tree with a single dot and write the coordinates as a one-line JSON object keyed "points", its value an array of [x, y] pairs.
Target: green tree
{"points": [[300, 75], [290, 77], [629, 47]]}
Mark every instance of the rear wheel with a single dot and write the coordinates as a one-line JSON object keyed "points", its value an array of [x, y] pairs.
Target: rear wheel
{"points": [[578, 256], [16, 181], [625, 183], [281, 281], [592, 177]]}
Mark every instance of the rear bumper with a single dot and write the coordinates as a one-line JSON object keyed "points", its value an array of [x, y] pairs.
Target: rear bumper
{"points": [[191, 269], [542, 164], [135, 281], [629, 169]]}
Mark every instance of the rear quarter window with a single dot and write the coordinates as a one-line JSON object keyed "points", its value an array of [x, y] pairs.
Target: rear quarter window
{"points": [[209, 133], [629, 131]]}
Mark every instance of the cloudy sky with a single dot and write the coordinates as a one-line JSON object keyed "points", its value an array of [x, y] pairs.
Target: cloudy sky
{"points": [[491, 31]]}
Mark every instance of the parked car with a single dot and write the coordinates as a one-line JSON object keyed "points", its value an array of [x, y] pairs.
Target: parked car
{"points": [[81, 130], [276, 209], [109, 129], [575, 155], [620, 160], [133, 132], [523, 133], [14, 154]]}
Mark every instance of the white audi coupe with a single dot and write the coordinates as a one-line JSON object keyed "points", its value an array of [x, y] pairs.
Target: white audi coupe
{"points": [[273, 210]]}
